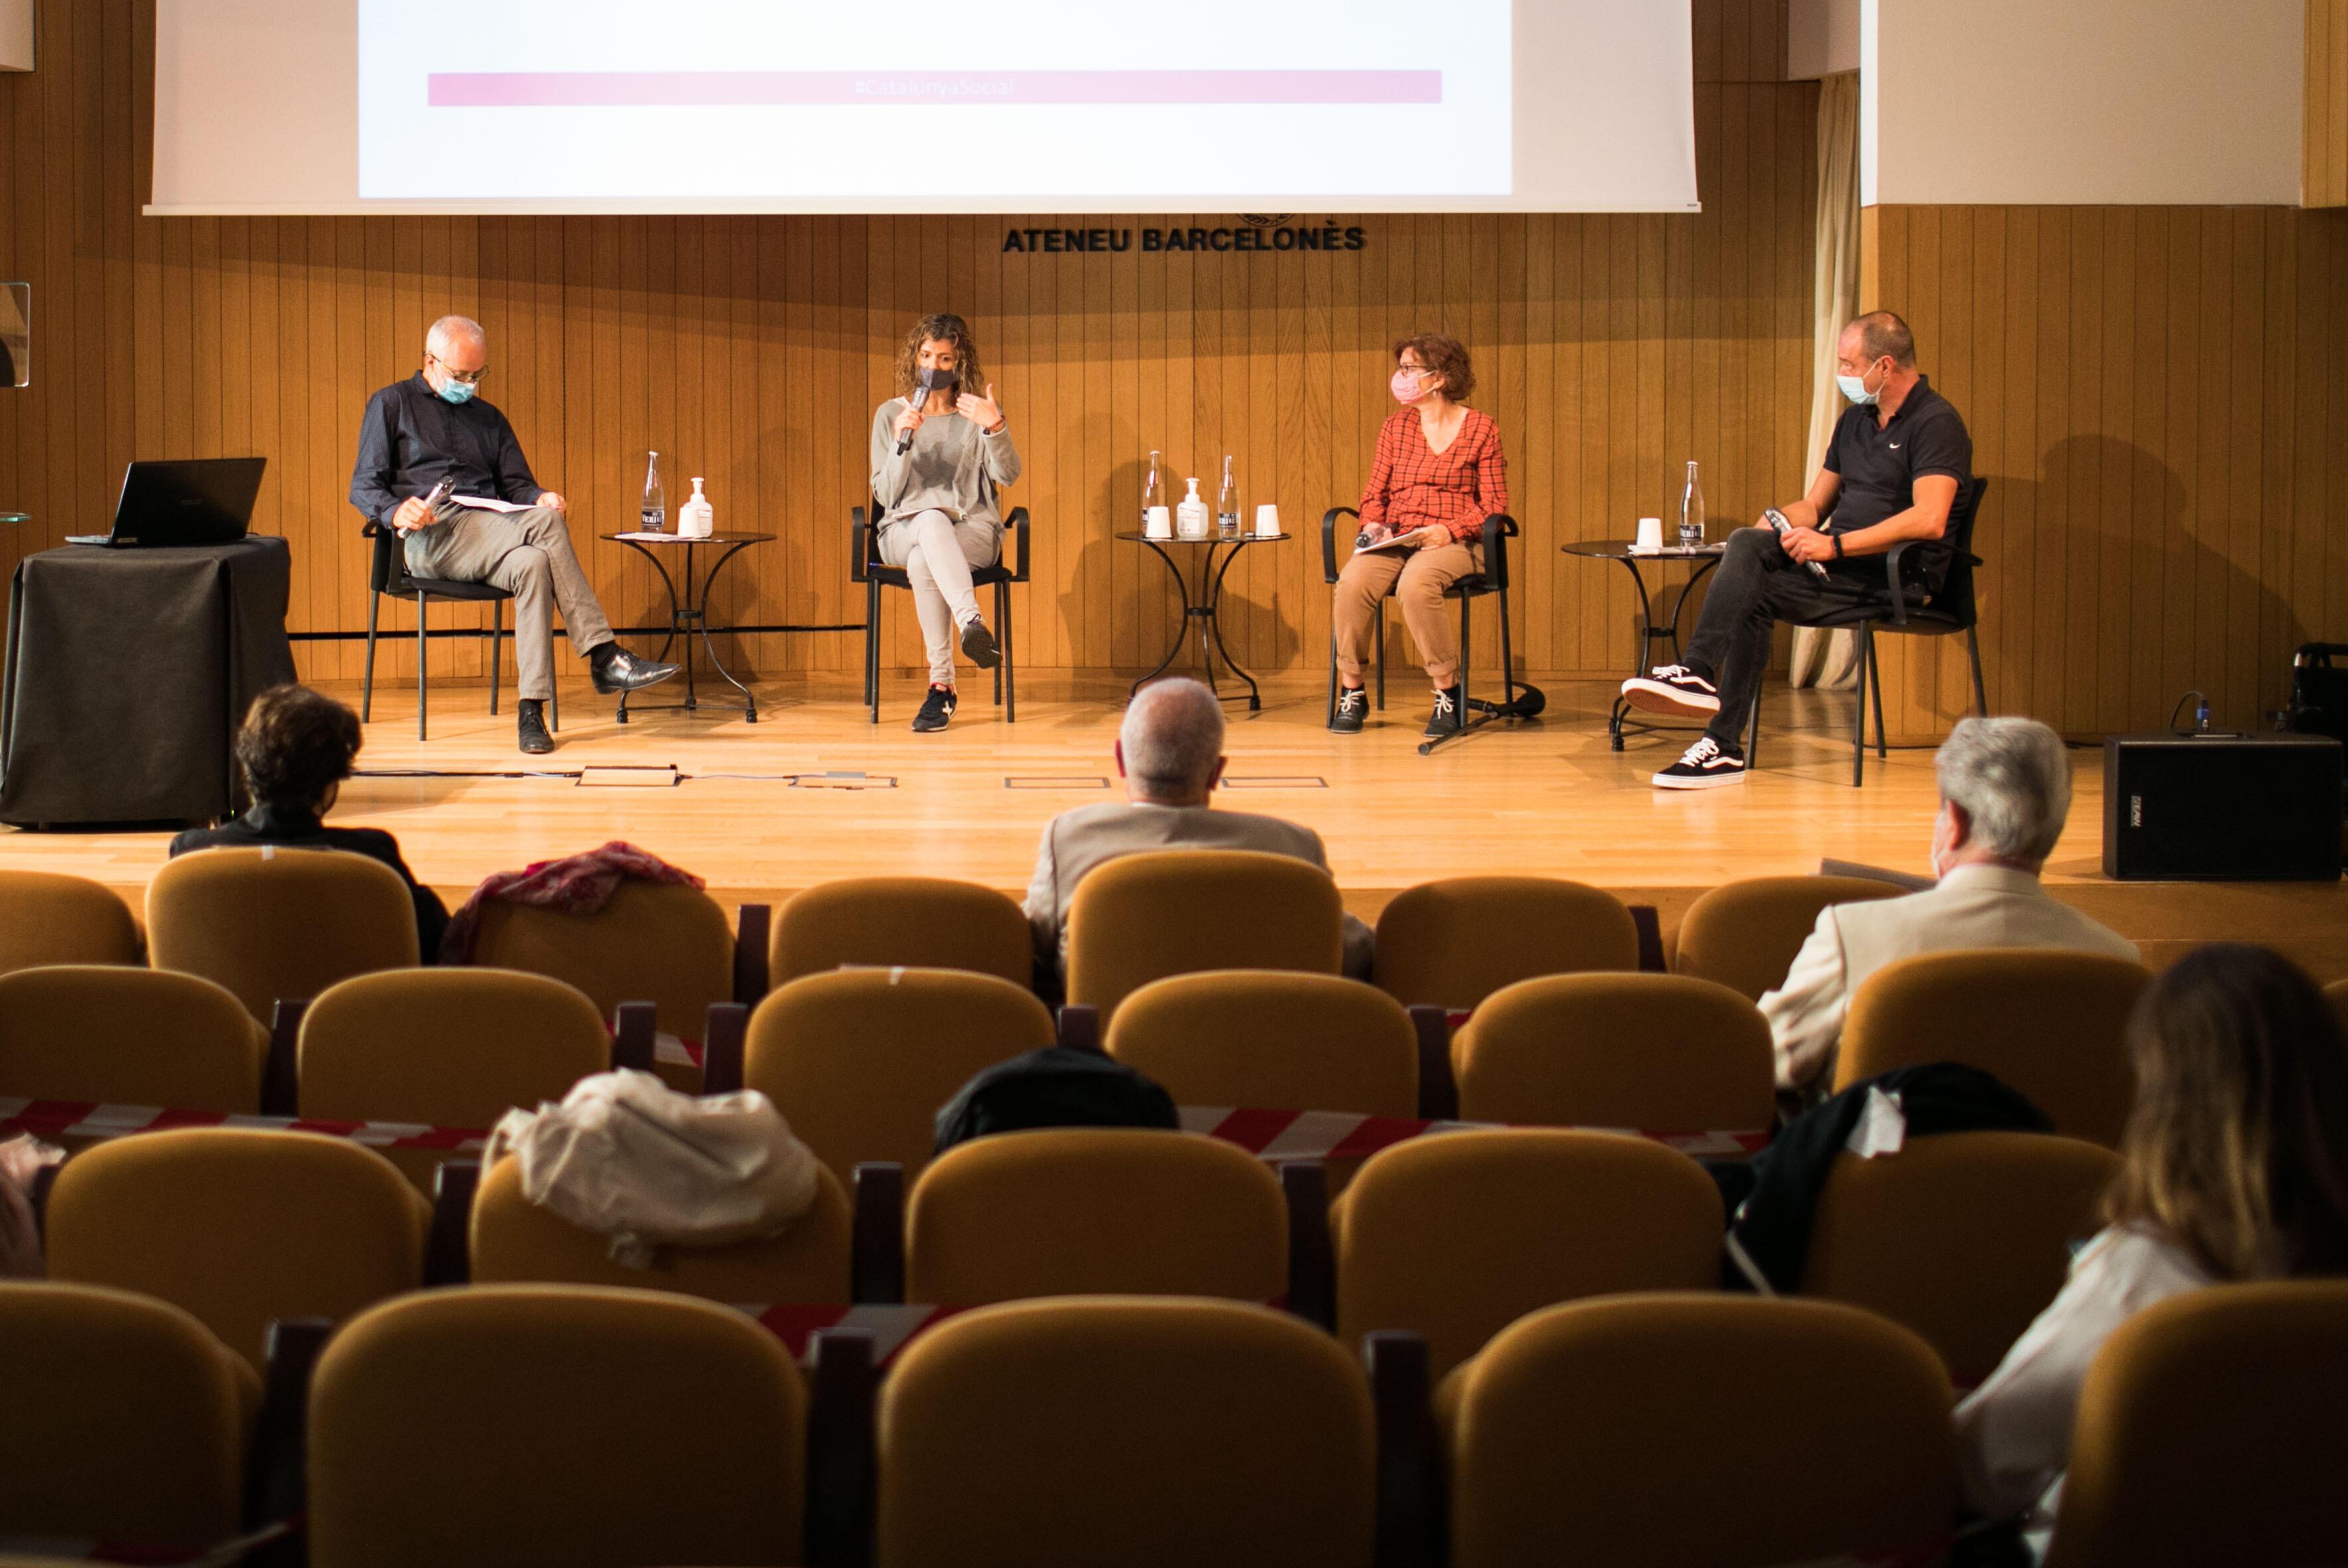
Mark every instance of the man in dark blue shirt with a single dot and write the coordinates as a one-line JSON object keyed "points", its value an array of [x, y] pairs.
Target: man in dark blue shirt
{"points": [[498, 526], [1899, 456]]}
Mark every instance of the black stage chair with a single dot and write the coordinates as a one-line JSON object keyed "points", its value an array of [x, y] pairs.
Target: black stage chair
{"points": [[1911, 608], [865, 565], [387, 574], [1519, 699]]}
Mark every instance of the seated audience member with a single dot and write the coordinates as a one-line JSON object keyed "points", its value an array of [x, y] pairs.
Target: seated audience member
{"points": [[296, 748], [2005, 788], [1169, 752], [2234, 1167]]}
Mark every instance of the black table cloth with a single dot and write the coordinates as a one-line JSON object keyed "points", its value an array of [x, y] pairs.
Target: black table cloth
{"points": [[129, 671]]}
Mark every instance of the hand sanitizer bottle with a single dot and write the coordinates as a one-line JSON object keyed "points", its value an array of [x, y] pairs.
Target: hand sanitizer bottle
{"points": [[1190, 516], [697, 520]]}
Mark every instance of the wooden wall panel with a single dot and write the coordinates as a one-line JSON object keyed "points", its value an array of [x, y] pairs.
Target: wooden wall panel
{"points": [[2323, 168], [2159, 398], [751, 351]]}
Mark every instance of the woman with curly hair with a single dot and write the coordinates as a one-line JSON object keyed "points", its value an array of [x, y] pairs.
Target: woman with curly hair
{"points": [[1438, 472], [939, 449], [2234, 1166], [295, 749]]}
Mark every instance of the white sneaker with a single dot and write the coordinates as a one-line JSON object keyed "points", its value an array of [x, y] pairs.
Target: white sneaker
{"points": [[1673, 689], [1703, 766]]}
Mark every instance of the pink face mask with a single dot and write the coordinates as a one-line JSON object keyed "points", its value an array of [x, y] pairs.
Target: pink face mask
{"points": [[1408, 385]]}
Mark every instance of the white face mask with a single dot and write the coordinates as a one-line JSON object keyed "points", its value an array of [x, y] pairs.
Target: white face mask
{"points": [[1855, 388]]}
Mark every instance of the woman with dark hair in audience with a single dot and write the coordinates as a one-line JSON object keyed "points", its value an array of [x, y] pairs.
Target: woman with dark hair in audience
{"points": [[296, 749], [2234, 1167]]}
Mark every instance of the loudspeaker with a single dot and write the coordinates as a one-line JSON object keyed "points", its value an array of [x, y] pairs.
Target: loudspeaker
{"points": [[2221, 808]]}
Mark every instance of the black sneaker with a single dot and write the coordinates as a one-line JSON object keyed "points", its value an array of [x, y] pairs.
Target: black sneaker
{"points": [[534, 740], [978, 644], [1703, 766], [1673, 689], [1353, 707], [1445, 720], [936, 708]]}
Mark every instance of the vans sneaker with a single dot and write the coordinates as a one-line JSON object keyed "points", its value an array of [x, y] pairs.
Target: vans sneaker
{"points": [[1673, 689], [1703, 766]]}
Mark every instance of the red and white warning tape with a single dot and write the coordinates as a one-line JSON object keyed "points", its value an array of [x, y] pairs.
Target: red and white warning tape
{"points": [[85, 1119], [891, 1328]]}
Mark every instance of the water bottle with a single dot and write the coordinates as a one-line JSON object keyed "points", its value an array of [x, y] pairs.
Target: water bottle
{"points": [[1691, 512], [1227, 506], [653, 517], [1153, 492], [1191, 516]]}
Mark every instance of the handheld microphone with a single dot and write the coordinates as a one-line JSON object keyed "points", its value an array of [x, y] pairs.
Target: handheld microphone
{"points": [[925, 381], [1776, 521]]}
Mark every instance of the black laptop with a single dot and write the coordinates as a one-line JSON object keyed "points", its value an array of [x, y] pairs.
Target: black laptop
{"points": [[196, 501]]}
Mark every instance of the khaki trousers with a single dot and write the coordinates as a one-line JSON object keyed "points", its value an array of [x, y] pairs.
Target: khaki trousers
{"points": [[529, 555], [938, 555], [1417, 578]]}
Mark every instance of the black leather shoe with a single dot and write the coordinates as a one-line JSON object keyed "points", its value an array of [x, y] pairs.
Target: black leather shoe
{"points": [[624, 671], [1353, 707], [535, 740], [978, 644]]}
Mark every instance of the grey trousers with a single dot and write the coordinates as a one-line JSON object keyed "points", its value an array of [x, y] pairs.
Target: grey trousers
{"points": [[529, 555], [938, 554]]}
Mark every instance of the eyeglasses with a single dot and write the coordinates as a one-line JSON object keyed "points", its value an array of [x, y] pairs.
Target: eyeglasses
{"points": [[469, 377]]}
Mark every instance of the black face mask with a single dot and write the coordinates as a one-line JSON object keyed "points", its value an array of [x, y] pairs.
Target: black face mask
{"points": [[930, 379]]}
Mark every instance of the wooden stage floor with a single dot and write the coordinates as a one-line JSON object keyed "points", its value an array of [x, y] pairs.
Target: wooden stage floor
{"points": [[770, 807]]}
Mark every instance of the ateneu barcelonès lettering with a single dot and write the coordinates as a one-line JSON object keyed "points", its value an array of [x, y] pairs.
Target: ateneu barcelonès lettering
{"points": [[1327, 238]]}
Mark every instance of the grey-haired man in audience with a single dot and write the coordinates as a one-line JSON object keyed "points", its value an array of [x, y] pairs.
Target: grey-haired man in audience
{"points": [[1170, 753], [2005, 789]]}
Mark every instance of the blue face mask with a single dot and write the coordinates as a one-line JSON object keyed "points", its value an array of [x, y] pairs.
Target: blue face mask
{"points": [[459, 392], [1855, 388]]}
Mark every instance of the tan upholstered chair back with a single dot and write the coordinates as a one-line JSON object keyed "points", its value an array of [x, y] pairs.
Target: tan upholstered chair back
{"points": [[1964, 1237], [1455, 942], [859, 1061], [239, 1226], [1141, 917], [1745, 934], [1658, 1053], [1180, 1432], [129, 1036], [1273, 1039], [921, 922], [1572, 1438], [630, 1427], [46, 919], [275, 925], [663, 943], [2051, 1025], [1084, 1210]]}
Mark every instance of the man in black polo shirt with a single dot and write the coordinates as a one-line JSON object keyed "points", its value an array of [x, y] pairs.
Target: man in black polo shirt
{"points": [[1898, 457], [498, 527]]}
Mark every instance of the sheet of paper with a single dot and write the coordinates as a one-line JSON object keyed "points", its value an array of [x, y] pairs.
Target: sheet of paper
{"points": [[487, 503]]}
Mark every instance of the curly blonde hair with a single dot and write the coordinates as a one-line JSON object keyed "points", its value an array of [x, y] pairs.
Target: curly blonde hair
{"points": [[939, 328]]}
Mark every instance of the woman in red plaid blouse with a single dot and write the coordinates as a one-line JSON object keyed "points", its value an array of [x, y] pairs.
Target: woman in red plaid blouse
{"points": [[1439, 474]]}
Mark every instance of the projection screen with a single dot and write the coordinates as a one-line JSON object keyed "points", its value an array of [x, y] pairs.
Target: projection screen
{"points": [[923, 105]]}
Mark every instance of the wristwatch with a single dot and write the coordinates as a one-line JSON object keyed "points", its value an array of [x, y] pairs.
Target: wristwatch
{"points": [[1838, 544]]}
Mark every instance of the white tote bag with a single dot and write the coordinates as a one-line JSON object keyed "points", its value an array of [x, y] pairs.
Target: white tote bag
{"points": [[626, 1156]]}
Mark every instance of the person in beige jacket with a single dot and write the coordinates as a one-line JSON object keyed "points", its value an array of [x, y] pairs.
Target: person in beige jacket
{"points": [[1169, 752], [2005, 790]]}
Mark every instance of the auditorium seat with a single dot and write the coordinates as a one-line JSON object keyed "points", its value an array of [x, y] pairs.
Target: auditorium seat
{"points": [[1080, 1210], [2208, 1430], [274, 924], [1690, 1432], [1745, 934], [1270, 1038], [1963, 1237], [46, 919], [1658, 1053], [1104, 1429], [497, 1425], [1454, 1237], [515, 1241], [664, 943], [447, 1048], [129, 1036], [923, 922], [2051, 1025], [1141, 917], [240, 1227], [2337, 993], [1452, 943], [126, 1420], [858, 1061]]}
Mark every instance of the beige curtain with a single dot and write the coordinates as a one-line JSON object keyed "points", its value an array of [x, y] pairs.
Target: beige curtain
{"points": [[1825, 659]]}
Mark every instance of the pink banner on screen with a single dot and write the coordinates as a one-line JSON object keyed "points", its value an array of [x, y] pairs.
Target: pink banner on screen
{"points": [[737, 89]]}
